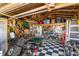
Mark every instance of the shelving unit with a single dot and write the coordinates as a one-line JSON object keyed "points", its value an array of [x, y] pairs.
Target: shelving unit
{"points": [[50, 24], [74, 38], [74, 31], [74, 25]]}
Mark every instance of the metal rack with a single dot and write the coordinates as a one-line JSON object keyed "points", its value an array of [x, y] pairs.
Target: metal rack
{"points": [[72, 37], [74, 32]]}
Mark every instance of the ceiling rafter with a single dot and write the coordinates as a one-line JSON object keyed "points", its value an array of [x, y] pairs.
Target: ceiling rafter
{"points": [[6, 9], [35, 11], [11, 7]]}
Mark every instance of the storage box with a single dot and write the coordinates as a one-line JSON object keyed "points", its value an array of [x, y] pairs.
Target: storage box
{"points": [[0, 53], [53, 21]]}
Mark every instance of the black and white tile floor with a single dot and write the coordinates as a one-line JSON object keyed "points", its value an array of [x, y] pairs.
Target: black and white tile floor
{"points": [[51, 49]]}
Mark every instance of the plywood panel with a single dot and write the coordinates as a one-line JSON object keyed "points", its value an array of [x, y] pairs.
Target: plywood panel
{"points": [[25, 8], [13, 11], [2, 4]]}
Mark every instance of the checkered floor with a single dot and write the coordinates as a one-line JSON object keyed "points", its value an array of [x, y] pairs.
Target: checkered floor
{"points": [[51, 49]]}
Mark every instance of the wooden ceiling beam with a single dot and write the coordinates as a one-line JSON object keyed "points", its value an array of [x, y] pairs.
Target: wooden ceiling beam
{"points": [[5, 15], [27, 13], [33, 10], [11, 7], [68, 10], [5, 7], [24, 8]]}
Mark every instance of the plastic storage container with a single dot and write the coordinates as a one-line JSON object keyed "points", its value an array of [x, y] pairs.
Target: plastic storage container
{"points": [[58, 20]]}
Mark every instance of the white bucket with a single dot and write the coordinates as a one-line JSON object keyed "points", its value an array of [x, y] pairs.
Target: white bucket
{"points": [[0, 53]]}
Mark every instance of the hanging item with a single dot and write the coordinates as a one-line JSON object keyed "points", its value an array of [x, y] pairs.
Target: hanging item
{"points": [[19, 23], [14, 23], [26, 25], [46, 21], [34, 17], [40, 22], [38, 31]]}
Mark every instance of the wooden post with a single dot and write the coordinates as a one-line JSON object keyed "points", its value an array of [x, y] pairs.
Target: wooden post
{"points": [[48, 7]]}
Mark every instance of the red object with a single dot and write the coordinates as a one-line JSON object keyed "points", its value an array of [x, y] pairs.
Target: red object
{"points": [[40, 22], [36, 51], [63, 38]]}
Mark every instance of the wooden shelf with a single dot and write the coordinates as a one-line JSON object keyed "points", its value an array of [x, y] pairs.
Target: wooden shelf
{"points": [[74, 39], [74, 25], [74, 31], [57, 24]]}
